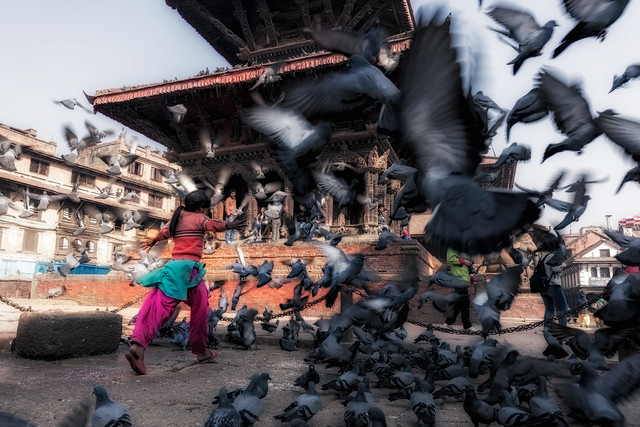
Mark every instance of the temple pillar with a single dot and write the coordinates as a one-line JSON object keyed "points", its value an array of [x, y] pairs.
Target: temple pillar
{"points": [[370, 191]]}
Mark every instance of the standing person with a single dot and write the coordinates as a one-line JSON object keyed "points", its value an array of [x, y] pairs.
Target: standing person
{"points": [[382, 215], [180, 279], [230, 210], [553, 298], [460, 267], [261, 224]]}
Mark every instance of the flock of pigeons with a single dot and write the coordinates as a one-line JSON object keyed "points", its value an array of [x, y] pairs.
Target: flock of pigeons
{"points": [[444, 130]]}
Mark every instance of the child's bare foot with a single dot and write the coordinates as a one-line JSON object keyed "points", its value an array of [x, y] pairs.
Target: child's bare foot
{"points": [[207, 356]]}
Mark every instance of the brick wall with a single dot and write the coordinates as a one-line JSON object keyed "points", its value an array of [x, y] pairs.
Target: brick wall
{"points": [[15, 288], [87, 289]]}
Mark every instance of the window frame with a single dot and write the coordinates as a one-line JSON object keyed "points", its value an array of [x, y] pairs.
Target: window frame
{"points": [[36, 165], [36, 235], [153, 200]]}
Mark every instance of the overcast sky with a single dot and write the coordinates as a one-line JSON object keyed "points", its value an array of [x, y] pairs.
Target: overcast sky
{"points": [[75, 45]]}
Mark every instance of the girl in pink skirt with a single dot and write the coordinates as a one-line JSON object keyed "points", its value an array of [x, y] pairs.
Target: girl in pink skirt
{"points": [[181, 279]]}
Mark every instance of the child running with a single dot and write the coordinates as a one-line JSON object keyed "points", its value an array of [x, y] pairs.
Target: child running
{"points": [[181, 279]]}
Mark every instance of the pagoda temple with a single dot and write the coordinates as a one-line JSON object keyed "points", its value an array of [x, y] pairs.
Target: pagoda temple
{"points": [[254, 36]]}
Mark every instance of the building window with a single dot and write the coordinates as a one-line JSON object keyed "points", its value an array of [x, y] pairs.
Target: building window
{"points": [[30, 241], [39, 167], [63, 243], [66, 213], [135, 168], [91, 247], [604, 271], [155, 201], [156, 174], [594, 271], [82, 178], [605, 253]]}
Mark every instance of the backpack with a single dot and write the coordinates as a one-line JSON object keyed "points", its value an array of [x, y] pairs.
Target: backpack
{"points": [[539, 281]]}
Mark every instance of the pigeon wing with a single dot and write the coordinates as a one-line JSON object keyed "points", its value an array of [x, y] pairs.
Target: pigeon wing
{"points": [[623, 132], [520, 24]]}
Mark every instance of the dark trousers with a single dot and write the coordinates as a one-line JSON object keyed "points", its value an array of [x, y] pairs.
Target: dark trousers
{"points": [[461, 305]]}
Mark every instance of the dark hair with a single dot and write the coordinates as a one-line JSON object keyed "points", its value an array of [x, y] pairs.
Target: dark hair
{"points": [[233, 190], [192, 202], [380, 206]]}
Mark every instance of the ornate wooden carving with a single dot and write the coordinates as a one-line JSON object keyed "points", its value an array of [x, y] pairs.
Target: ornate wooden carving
{"points": [[346, 12], [348, 156], [376, 14], [304, 8], [328, 11], [152, 130], [241, 15], [232, 37], [265, 15], [361, 14]]}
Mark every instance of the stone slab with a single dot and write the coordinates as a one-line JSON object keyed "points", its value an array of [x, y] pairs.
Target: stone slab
{"points": [[56, 335]]}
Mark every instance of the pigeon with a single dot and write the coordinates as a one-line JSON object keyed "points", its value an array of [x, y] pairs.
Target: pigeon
{"points": [[571, 114], [344, 194], [304, 407], [399, 170], [209, 146], [248, 403], [9, 153], [523, 29], [338, 92], [595, 399], [594, 18], [483, 101], [70, 263], [290, 332], [225, 415], [71, 103], [269, 75], [422, 403], [631, 245], [5, 204], [357, 411], [544, 197], [345, 270], [294, 143], [622, 132], [513, 153], [528, 109], [332, 238], [178, 112], [310, 375], [509, 415], [542, 405], [119, 161], [56, 291], [482, 355], [348, 43], [107, 412], [631, 72], [386, 236], [435, 109], [575, 209], [478, 410], [10, 420]]}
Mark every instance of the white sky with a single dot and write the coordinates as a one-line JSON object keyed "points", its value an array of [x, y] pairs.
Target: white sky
{"points": [[55, 50]]}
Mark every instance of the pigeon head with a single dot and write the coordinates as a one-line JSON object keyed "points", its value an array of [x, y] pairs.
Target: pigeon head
{"points": [[550, 24], [101, 394]]}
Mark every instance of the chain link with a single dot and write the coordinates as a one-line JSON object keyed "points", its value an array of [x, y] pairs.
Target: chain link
{"points": [[15, 305], [130, 303], [520, 328]]}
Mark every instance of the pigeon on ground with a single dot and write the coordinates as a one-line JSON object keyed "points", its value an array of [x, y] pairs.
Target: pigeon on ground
{"points": [[509, 415], [10, 420], [595, 399], [631, 72], [311, 374], [225, 415], [478, 410], [422, 403], [304, 407], [56, 291], [290, 333], [523, 29], [108, 413], [542, 405], [357, 411], [249, 403], [594, 18]]}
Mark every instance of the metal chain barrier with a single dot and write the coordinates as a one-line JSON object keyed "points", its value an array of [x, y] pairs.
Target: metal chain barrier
{"points": [[130, 303], [14, 305], [520, 328]]}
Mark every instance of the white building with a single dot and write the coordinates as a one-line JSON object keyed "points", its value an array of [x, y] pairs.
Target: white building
{"points": [[49, 234]]}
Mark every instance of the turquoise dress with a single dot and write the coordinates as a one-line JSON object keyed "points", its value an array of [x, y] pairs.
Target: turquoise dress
{"points": [[175, 277]]}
